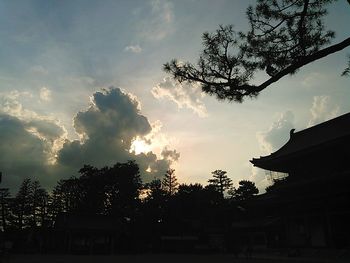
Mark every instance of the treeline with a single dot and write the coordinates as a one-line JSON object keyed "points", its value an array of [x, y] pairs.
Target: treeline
{"points": [[119, 192]]}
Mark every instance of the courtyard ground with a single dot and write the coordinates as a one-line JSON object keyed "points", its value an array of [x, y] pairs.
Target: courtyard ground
{"points": [[22, 258]]}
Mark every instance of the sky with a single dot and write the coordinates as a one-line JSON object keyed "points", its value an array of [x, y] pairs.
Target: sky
{"points": [[81, 82]]}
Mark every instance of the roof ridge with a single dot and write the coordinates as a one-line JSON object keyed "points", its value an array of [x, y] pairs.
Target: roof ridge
{"points": [[325, 123]]}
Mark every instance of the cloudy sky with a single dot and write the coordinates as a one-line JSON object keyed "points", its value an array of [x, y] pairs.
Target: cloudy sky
{"points": [[82, 82]]}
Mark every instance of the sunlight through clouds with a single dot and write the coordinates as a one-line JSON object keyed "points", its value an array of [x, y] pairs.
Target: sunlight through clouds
{"points": [[110, 126], [139, 145], [58, 55], [156, 141]]}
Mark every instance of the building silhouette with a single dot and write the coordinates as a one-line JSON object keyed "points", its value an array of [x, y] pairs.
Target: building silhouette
{"points": [[309, 205]]}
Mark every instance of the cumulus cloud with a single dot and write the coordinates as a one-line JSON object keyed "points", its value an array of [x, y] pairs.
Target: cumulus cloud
{"points": [[51, 132], [184, 95], [37, 147], [133, 49], [29, 142], [22, 153], [26, 152], [278, 133], [322, 109], [10, 104], [45, 94], [168, 154], [45, 127], [108, 128]]}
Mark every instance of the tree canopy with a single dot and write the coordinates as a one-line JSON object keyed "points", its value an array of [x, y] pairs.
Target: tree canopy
{"points": [[143, 212], [220, 181], [169, 183], [245, 191], [284, 36]]}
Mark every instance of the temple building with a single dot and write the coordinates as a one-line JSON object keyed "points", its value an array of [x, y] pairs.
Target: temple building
{"points": [[308, 207]]}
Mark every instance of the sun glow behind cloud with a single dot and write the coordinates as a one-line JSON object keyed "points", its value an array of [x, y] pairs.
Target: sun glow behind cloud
{"points": [[112, 123], [156, 141], [139, 145]]}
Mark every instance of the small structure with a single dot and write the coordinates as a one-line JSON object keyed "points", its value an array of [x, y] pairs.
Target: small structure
{"points": [[88, 234], [311, 206]]}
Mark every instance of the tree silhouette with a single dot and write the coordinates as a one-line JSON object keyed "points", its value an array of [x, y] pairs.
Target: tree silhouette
{"points": [[246, 190], [191, 201], [29, 208], [39, 198], [156, 191], [56, 202], [346, 71], [155, 202], [283, 37], [5, 207], [108, 191], [59, 201], [220, 181], [189, 189], [169, 182], [92, 184], [22, 205], [69, 194], [123, 186]]}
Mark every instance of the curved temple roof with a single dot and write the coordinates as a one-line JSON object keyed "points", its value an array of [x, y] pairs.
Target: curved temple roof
{"points": [[306, 139]]}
